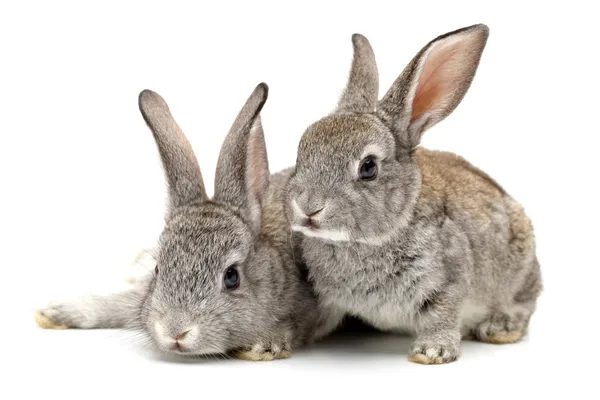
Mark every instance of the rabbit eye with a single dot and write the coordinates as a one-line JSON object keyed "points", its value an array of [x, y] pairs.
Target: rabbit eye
{"points": [[231, 279], [368, 169], [156, 269]]}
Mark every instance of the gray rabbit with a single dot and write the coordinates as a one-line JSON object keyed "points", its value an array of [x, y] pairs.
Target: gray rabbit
{"points": [[404, 238], [225, 278]]}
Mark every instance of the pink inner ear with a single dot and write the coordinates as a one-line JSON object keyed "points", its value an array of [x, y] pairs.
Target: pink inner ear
{"points": [[257, 164], [447, 66]]}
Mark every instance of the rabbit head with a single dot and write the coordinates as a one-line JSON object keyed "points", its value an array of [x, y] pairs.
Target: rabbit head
{"points": [[356, 179], [211, 273]]}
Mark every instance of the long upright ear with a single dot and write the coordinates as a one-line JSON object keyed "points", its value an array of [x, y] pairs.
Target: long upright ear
{"points": [[242, 174], [180, 164], [362, 90], [433, 84]]}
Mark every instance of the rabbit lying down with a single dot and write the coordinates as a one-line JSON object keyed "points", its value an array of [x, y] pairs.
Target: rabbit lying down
{"points": [[225, 279], [408, 239]]}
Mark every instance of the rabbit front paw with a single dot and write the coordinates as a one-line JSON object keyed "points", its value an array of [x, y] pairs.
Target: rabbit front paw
{"points": [[262, 352], [440, 352], [63, 316], [44, 318], [502, 328]]}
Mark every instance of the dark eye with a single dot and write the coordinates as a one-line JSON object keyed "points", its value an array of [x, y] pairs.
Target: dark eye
{"points": [[368, 169], [156, 269], [231, 278]]}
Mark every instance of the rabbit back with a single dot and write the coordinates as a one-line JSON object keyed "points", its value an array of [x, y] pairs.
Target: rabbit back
{"points": [[504, 270]]}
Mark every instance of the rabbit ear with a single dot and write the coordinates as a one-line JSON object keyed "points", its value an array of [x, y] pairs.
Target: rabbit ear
{"points": [[242, 174], [433, 84], [362, 91], [180, 164]]}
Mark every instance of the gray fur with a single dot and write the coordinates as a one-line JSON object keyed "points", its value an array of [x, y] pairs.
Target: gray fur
{"points": [[433, 246], [272, 311], [181, 167], [362, 91]]}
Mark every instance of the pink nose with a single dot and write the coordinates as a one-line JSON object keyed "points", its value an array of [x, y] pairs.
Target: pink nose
{"points": [[181, 335], [312, 214]]}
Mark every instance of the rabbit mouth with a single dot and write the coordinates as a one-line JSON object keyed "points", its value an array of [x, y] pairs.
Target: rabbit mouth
{"points": [[180, 348], [311, 224]]}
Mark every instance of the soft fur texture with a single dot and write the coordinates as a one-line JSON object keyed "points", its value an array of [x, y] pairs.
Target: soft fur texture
{"points": [[432, 246], [185, 307]]}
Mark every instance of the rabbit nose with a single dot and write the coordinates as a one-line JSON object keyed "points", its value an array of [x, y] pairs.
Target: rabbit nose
{"points": [[310, 214], [182, 335], [308, 204]]}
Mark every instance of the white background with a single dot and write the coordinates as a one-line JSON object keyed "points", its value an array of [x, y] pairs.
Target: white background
{"points": [[83, 190]]}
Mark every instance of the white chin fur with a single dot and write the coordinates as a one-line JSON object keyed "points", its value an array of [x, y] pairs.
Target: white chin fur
{"points": [[342, 236], [336, 236]]}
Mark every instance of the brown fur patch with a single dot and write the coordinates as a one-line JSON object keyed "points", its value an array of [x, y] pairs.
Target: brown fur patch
{"points": [[451, 182], [445, 170], [260, 356], [423, 359], [47, 323], [505, 337]]}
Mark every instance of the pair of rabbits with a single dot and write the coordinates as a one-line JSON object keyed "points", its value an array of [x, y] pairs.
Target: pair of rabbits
{"points": [[367, 224]]}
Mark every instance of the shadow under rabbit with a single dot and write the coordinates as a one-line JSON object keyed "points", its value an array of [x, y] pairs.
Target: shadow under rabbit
{"points": [[354, 340]]}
